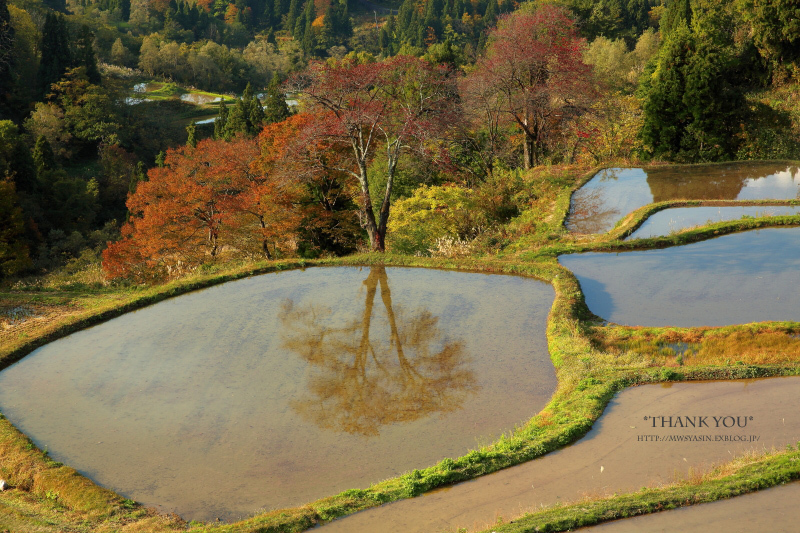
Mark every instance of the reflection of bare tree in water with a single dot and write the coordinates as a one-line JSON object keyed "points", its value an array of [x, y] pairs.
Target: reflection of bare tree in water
{"points": [[588, 212], [363, 383]]}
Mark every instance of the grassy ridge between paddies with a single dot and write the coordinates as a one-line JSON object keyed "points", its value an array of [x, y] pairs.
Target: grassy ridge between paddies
{"points": [[51, 497], [743, 475]]}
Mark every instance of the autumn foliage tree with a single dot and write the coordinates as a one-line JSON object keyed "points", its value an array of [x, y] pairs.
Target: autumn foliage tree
{"points": [[294, 151], [202, 199], [379, 110], [534, 67]]}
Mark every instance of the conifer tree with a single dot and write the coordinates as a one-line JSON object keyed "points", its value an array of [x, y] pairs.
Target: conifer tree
{"points": [[292, 15], [56, 57], [14, 256], [694, 93], [191, 134], [275, 109], [309, 40], [43, 158], [221, 122], [139, 175], [6, 45], [246, 117], [85, 56], [490, 17], [676, 13]]}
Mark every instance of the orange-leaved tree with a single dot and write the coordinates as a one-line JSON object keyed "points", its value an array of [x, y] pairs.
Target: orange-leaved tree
{"points": [[204, 198], [293, 151]]}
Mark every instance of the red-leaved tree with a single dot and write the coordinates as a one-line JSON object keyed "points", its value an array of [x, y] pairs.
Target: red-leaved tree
{"points": [[295, 151], [534, 67], [202, 199], [379, 110]]}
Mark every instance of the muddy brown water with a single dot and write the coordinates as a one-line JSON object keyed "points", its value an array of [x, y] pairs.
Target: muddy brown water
{"points": [[773, 509], [613, 193], [733, 279], [280, 389], [623, 452], [676, 219]]}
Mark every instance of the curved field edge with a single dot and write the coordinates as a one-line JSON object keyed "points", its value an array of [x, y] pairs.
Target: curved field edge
{"points": [[588, 379], [62, 500], [741, 476]]}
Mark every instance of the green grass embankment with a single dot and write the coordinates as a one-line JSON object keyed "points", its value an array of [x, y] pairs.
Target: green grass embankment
{"points": [[51, 497]]}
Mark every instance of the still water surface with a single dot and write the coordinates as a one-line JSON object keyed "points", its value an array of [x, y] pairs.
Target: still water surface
{"points": [[280, 389], [746, 277], [625, 450], [613, 193], [678, 218], [773, 509]]}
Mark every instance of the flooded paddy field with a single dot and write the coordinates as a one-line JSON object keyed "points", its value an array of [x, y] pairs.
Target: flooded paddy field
{"points": [[773, 509], [676, 219], [647, 436], [613, 193], [733, 279], [279, 389]]}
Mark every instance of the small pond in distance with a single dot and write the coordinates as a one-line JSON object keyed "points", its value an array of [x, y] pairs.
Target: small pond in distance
{"points": [[733, 279], [279, 389], [615, 192], [678, 218]]}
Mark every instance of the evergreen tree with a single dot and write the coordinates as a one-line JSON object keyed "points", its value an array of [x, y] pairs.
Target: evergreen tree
{"points": [[191, 134], [490, 17], [330, 26], [221, 122], [692, 105], [14, 256], [276, 109], [265, 13], [6, 47], [309, 40], [56, 5], [246, 117], [292, 15], [43, 158], [677, 12], [279, 9], [84, 55], [56, 57], [15, 158], [139, 175]]}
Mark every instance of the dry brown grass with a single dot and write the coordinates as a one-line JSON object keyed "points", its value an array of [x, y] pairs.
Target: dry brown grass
{"points": [[749, 344]]}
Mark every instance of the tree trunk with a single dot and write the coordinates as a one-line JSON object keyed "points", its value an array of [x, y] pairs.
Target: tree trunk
{"points": [[379, 241], [264, 243], [376, 238], [529, 152]]}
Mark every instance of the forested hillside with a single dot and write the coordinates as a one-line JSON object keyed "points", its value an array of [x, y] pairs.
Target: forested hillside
{"points": [[355, 125]]}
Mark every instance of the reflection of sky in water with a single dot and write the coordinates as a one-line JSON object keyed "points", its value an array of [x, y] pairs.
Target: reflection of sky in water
{"points": [[614, 193], [192, 404], [733, 279], [783, 180], [679, 218]]}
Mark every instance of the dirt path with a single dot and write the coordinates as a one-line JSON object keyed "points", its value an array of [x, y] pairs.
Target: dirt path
{"points": [[620, 454]]}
